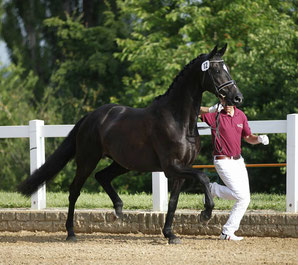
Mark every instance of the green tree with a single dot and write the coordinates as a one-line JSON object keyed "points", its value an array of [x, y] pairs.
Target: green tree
{"points": [[88, 75], [24, 32], [15, 109]]}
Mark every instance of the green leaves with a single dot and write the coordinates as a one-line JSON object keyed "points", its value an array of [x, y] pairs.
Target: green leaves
{"points": [[86, 77]]}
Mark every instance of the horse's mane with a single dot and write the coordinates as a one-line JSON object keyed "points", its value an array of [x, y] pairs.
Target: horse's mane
{"points": [[180, 76]]}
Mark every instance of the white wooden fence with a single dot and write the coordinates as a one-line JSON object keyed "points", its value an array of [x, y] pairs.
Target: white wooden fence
{"points": [[37, 132]]}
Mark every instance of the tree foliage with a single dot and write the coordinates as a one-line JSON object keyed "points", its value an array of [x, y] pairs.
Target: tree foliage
{"points": [[15, 108], [88, 75]]}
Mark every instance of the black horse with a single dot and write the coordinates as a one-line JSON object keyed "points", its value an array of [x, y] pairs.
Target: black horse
{"points": [[160, 137]]}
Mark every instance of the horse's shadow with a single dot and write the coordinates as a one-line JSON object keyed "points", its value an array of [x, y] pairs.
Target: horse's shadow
{"points": [[82, 238]]}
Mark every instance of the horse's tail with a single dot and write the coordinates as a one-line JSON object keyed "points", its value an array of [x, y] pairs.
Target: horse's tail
{"points": [[55, 163]]}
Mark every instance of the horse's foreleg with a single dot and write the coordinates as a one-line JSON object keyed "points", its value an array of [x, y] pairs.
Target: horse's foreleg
{"points": [[179, 174], [209, 204], [105, 177], [167, 230]]}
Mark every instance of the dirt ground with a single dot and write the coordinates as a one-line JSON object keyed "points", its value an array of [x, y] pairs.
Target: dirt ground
{"points": [[51, 248]]}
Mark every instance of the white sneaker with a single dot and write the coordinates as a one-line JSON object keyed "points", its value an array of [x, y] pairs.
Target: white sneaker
{"points": [[230, 237]]}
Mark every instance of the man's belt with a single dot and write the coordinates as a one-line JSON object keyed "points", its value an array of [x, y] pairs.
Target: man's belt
{"points": [[219, 157]]}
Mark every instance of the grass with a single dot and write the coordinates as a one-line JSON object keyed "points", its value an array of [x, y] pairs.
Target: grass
{"points": [[141, 201]]}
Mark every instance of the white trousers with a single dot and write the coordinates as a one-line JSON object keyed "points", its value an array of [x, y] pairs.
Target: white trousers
{"points": [[234, 175]]}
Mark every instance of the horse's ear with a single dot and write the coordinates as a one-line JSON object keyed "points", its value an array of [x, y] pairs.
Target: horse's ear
{"points": [[222, 51], [212, 53]]}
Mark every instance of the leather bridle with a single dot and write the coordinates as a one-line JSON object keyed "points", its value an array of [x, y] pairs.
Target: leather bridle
{"points": [[221, 86]]}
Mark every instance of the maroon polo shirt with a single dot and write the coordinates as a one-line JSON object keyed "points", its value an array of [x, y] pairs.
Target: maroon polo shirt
{"points": [[231, 130]]}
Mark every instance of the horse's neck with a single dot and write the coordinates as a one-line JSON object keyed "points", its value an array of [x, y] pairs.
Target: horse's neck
{"points": [[185, 106], [182, 101]]}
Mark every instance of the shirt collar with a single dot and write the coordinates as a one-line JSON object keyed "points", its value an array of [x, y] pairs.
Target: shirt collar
{"points": [[236, 112]]}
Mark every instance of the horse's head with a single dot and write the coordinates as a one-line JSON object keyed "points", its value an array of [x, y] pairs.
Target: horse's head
{"points": [[217, 79]]}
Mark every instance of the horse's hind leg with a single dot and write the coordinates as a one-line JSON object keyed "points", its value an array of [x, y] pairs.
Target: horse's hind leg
{"points": [[84, 169], [105, 177]]}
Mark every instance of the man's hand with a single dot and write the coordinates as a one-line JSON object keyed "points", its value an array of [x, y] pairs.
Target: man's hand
{"points": [[217, 107], [255, 139], [263, 139]]}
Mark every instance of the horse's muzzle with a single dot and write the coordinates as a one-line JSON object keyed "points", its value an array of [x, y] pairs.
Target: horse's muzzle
{"points": [[237, 100]]}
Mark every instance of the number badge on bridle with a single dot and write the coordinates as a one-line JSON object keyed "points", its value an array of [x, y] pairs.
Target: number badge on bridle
{"points": [[205, 66]]}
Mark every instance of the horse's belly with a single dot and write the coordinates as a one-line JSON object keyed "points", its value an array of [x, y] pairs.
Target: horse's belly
{"points": [[131, 151], [136, 159]]}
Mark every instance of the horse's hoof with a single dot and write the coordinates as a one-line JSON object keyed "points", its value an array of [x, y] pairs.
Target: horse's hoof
{"points": [[118, 213], [72, 239], [204, 217], [175, 240], [117, 216]]}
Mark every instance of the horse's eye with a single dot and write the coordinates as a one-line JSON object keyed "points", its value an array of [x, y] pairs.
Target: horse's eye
{"points": [[216, 70]]}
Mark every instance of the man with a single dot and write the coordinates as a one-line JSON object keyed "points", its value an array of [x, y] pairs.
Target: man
{"points": [[228, 161]]}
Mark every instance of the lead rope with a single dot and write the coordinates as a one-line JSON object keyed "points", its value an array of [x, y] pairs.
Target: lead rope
{"points": [[217, 133]]}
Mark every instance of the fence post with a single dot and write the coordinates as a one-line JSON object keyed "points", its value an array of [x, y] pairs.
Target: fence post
{"points": [[37, 158], [159, 191], [292, 163]]}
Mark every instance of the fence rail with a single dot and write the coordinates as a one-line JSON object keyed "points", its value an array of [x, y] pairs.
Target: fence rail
{"points": [[247, 165], [36, 131]]}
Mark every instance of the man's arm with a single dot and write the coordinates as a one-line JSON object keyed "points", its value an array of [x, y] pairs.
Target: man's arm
{"points": [[251, 139], [204, 110], [257, 139], [216, 107]]}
